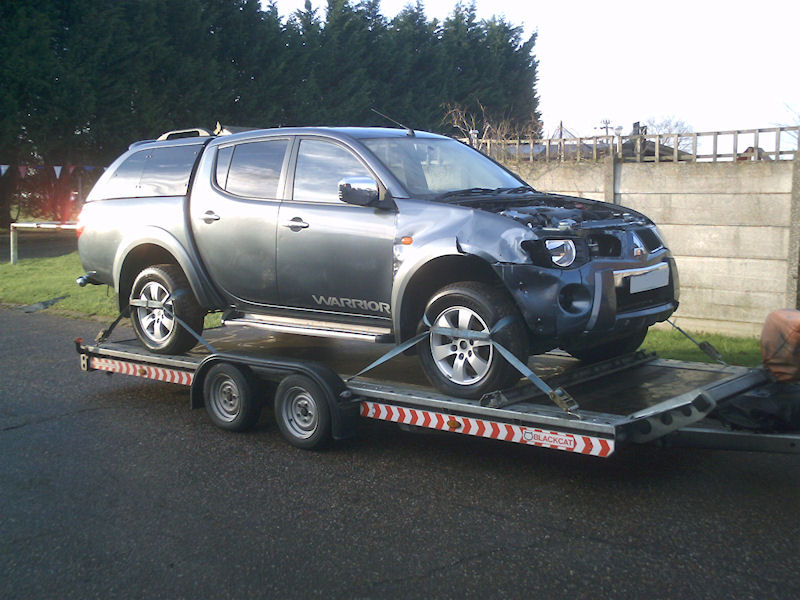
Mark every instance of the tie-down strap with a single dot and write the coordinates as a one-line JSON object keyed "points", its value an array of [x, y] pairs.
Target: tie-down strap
{"points": [[558, 396]]}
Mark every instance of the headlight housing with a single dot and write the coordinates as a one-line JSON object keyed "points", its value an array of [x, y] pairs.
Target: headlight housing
{"points": [[562, 252]]}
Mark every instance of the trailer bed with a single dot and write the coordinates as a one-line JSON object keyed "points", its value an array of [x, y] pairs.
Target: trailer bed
{"points": [[635, 399]]}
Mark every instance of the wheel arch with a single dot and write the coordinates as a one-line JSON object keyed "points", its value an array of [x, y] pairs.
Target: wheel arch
{"points": [[156, 247], [432, 276]]}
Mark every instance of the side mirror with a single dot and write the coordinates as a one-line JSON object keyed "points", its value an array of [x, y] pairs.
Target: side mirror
{"points": [[362, 191]]}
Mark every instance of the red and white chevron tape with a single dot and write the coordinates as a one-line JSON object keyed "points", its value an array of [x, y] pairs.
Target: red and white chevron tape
{"points": [[127, 368], [519, 434]]}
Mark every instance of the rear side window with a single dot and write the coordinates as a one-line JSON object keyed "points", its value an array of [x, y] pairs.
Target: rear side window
{"points": [[154, 172], [124, 183], [255, 169], [167, 171]]}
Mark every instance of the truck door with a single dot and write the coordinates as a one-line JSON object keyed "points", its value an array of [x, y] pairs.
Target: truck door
{"points": [[333, 256], [234, 218]]}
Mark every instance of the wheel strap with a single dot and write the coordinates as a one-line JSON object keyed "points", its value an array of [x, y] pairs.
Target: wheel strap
{"points": [[559, 396], [171, 314]]}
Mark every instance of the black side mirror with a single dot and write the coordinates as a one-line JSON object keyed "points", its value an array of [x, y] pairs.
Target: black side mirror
{"points": [[362, 191]]}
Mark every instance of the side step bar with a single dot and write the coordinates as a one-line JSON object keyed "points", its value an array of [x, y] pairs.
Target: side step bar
{"points": [[330, 329]]}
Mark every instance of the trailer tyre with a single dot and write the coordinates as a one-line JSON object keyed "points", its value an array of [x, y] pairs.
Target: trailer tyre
{"points": [[153, 326], [229, 397], [302, 413]]}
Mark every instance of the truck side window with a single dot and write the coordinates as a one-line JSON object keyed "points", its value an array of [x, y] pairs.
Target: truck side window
{"points": [[320, 168], [167, 171], [124, 183], [256, 169], [223, 164]]}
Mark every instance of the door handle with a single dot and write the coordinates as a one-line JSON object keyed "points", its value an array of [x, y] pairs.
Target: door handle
{"points": [[296, 224], [210, 216]]}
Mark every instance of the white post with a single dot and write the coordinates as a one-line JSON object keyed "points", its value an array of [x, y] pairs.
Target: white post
{"points": [[13, 249]]}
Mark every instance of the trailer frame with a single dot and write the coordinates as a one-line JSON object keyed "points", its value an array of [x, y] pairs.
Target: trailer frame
{"points": [[521, 415]]}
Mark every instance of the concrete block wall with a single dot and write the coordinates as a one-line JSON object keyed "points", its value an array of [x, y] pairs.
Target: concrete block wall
{"points": [[732, 226]]}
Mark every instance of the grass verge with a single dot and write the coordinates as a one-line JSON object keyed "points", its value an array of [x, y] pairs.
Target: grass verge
{"points": [[41, 279], [669, 343]]}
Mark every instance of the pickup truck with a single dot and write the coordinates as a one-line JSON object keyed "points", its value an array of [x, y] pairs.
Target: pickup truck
{"points": [[372, 234]]}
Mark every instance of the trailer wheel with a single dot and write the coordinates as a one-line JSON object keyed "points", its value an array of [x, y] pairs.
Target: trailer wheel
{"points": [[229, 398], [302, 413]]}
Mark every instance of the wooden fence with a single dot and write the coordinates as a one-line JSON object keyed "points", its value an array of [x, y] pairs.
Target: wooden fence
{"points": [[775, 143]]}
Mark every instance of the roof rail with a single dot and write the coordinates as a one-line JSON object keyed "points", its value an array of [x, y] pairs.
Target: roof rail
{"points": [[184, 133], [139, 143]]}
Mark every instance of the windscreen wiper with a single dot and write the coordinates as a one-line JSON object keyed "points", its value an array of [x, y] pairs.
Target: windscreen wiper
{"points": [[476, 191], [523, 189]]}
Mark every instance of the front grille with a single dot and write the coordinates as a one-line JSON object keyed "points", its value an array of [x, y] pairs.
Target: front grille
{"points": [[604, 245], [649, 239], [627, 302]]}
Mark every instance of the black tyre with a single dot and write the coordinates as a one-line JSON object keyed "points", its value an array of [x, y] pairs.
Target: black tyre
{"points": [[154, 327], [230, 398], [612, 349], [302, 413], [470, 368]]}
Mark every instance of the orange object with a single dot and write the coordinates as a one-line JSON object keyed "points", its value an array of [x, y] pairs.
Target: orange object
{"points": [[780, 344]]}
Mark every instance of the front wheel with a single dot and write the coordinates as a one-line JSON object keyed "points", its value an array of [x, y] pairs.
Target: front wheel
{"points": [[229, 396], [460, 365], [155, 327]]}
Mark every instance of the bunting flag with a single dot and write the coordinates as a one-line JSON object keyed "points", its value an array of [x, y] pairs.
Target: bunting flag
{"points": [[57, 169]]}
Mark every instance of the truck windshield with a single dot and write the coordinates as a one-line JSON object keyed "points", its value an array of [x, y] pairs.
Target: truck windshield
{"points": [[430, 168]]}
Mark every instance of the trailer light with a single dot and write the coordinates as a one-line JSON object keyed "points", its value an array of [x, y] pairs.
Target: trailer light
{"points": [[562, 252]]}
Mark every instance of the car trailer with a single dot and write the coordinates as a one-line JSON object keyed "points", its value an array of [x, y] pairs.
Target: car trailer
{"points": [[634, 399]]}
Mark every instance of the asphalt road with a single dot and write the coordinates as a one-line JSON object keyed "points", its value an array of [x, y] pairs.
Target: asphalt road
{"points": [[110, 487]]}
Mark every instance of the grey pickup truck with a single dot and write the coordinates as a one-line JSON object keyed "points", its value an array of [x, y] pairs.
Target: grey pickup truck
{"points": [[371, 234]]}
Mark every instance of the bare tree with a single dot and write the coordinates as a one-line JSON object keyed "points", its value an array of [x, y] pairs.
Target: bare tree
{"points": [[671, 126], [479, 128], [465, 122]]}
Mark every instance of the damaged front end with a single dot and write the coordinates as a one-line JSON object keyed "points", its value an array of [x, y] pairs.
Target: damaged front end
{"points": [[596, 271]]}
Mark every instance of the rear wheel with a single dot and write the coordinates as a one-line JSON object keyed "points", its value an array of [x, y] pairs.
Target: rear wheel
{"points": [[612, 349], [155, 327], [465, 367], [302, 413]]}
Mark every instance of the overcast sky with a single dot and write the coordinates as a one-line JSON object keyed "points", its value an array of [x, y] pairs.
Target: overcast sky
{"points": [[717, 65]]}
